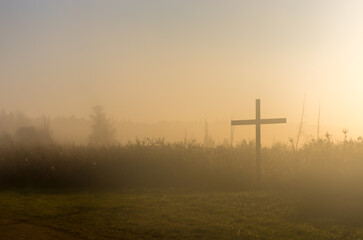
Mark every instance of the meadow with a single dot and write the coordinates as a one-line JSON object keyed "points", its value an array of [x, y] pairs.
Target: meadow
{"points": [[163, 214], [151, 189]]}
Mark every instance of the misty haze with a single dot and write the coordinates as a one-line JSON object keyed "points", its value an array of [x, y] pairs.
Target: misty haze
{"points": [[181, 119]]}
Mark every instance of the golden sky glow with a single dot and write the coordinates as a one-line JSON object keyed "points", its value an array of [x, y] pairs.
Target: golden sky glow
{"points": [[184, 60]]}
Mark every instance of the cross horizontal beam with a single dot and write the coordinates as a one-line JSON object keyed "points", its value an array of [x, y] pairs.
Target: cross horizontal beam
{"points": [[244, 122], [273, 120], [262, 121]]}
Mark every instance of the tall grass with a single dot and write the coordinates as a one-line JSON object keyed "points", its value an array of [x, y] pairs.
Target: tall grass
{"points": [[156, 163], [147, 163], [325, 176]]}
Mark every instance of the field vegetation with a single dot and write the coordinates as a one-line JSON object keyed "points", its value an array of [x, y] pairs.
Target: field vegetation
{"points": [[158, 164], [163, 214], [158, 190]]}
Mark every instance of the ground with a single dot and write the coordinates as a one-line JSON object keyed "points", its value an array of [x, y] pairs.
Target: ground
{"points": [[162, 214]]}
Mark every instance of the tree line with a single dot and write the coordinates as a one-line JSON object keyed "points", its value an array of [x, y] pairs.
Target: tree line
{"points": [[17, 128]]}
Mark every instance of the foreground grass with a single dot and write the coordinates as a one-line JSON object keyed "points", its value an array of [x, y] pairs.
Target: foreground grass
{"points": [[153, 214]]}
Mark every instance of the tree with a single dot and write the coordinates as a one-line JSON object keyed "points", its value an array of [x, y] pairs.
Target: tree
{"points": [[103, 132]]}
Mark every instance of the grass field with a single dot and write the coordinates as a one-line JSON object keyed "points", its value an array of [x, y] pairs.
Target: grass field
{"points": [[311, 193], [166, 214]]}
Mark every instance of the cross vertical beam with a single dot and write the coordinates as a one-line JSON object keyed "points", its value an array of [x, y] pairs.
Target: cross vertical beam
{"points": [[258, 141]]}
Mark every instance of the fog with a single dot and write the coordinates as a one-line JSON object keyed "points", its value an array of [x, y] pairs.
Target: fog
{"points": [[77, 130], [185, 62], [142, 119]]}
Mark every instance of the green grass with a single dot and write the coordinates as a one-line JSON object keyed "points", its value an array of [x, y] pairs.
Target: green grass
{"points": [[171, 214]]}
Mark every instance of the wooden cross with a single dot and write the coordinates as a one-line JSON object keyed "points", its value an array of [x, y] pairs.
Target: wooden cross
{"points": [[258, 121]]}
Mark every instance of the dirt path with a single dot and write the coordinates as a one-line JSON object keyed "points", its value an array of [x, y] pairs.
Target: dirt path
{"points": [[15, 230]]}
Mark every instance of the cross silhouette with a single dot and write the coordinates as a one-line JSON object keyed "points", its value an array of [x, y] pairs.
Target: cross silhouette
{"points": [[258, 121]]}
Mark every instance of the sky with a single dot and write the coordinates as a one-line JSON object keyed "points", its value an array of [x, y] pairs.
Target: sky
{"points": [[151, 61]]}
